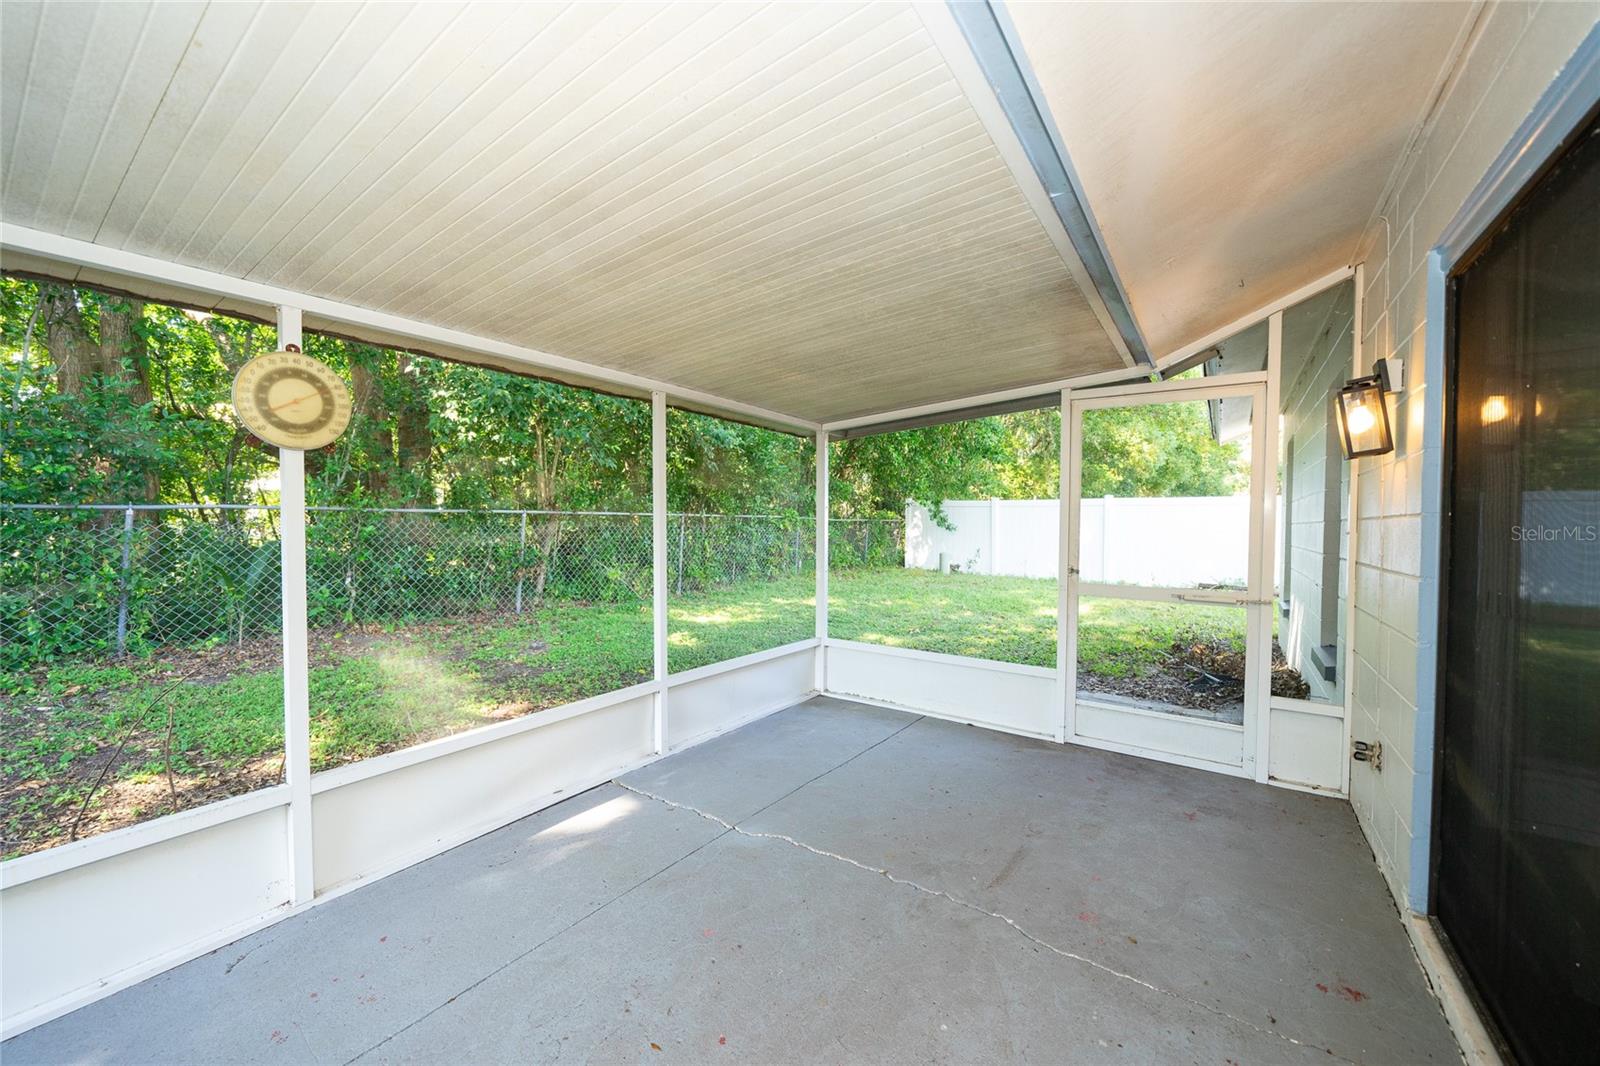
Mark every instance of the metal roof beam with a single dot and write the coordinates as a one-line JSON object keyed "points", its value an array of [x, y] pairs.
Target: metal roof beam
{"points": [[994, 44]]}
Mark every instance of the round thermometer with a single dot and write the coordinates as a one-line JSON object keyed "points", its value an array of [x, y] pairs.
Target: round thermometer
{"points": [[289, 399]]}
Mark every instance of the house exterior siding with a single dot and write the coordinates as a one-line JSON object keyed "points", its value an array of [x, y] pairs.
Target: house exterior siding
{"points": [[1315, 497], [1512, 55]]}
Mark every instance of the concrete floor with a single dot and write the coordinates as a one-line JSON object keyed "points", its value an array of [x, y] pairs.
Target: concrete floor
{"points": [[838, 883]]}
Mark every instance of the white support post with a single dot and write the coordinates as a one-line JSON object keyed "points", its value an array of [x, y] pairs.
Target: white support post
{"points": [[296, 665], [1066, 583], [1263, 605], [658, 546], [822, 561]]}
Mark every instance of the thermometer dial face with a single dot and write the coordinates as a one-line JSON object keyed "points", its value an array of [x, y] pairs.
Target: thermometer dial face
{"points": [[291, 400]]}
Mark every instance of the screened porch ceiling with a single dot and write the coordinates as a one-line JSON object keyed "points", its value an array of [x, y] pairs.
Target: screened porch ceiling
{"points": [[818, 212]]}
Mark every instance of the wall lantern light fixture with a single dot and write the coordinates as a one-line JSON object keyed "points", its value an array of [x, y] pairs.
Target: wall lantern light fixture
{"points": [[1363, 415]]}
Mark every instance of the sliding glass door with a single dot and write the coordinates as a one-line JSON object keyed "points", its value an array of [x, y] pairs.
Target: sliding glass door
{"points": [[1517, 818]]}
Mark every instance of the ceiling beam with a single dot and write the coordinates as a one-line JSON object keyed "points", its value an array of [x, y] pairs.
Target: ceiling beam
{"points": [[1029, 396], [982, 49], [1017, 399], [1001, 407]]}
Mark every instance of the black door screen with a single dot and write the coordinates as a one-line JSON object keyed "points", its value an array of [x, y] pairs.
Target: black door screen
{"points": [[1517, 880]]}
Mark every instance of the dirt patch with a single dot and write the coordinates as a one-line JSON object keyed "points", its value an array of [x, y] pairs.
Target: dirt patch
{"points": [[1203, 675], [502, 671], [125, 801], [212, 665], [327, 646], [505, 672], [42, 813]]}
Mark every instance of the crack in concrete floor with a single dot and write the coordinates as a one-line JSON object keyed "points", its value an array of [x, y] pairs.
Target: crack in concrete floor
{"points": [[967, 904], [589, 914], [424, 1016]]}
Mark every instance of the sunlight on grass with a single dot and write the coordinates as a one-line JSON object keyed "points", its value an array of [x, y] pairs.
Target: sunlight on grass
{"points": [[998, 618], [720, 618], [397, 695], [724, 623], [375, 691], [1119, 638]]}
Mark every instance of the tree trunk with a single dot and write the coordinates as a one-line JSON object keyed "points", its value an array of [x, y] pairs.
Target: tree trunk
{"points": [[120, 355], [123, 351], [374, 434], [125, 355], [414, 432], [549, 542], [67, 336], [235, 351]]}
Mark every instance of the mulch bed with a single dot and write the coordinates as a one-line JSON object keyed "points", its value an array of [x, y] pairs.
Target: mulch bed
{"points": [[1204, 675]]}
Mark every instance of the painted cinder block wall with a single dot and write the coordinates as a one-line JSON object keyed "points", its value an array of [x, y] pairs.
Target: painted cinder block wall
{"points": [[1315, 495], [1510, 57]]}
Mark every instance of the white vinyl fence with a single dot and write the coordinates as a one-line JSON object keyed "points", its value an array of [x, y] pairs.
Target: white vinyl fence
{"points": [[1124, 541]]}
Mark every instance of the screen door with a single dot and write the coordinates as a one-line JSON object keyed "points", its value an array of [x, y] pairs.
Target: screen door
{"points": [[1168, 623]]}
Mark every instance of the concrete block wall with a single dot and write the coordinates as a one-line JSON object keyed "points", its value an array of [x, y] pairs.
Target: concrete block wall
{"points": [[1309, 378], [1512, 55]]}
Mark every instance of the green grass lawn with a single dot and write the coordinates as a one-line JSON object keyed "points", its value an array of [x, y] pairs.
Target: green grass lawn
{"points": [[1012, 619], [213, 715], [1120, 638]]}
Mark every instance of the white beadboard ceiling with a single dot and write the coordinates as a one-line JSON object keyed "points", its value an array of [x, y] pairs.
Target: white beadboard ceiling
{"points": [[795, 207], [789, 206], [1234, 152]]}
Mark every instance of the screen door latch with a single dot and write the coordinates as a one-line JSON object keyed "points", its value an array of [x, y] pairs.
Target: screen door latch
{"points": [[1369, 752]]}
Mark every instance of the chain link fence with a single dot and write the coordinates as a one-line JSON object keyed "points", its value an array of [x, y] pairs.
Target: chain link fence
{"points": [[706, 551], [857, 543], [110, 579]]}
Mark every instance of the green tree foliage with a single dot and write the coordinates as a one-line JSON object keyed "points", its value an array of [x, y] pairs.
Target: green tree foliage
{"points": [[142, 413], [79, 428], [1163, 449], [720, 467], [426, 433], [1152, 450], [1032, 466], [876, 475], [111, 400]]}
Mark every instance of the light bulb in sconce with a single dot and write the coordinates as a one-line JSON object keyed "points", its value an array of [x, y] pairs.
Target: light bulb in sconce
{"points": [[1494, 409], [1360, 418], [1363, 415]]}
